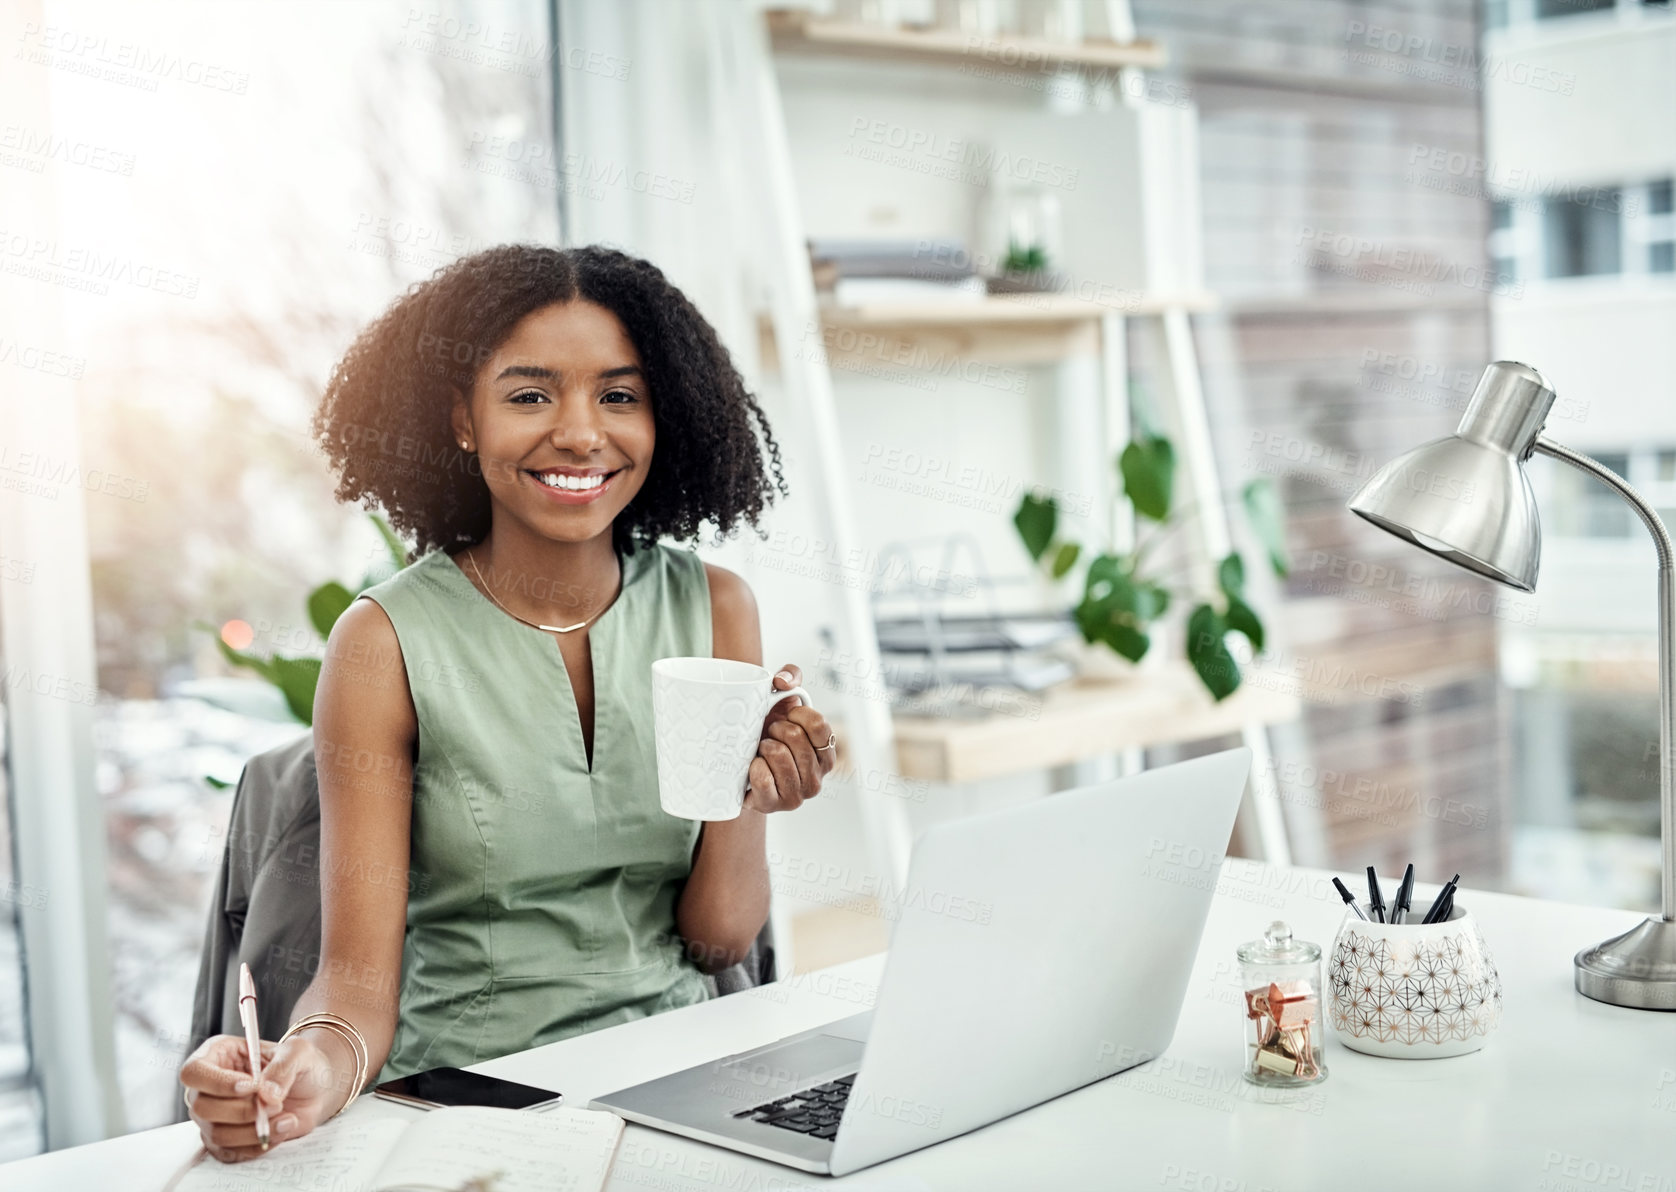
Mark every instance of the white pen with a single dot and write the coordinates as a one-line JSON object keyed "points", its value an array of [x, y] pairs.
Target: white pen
{"points": [[253, 1043]]}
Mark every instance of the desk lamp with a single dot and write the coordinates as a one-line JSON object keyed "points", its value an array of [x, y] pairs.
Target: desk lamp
{"points": [[1467, 499]]}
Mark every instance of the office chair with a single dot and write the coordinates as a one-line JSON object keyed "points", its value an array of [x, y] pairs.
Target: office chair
{"points": [[266, 908]]}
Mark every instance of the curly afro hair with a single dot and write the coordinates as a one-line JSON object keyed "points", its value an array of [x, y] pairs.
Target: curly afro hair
{"points": [[384, 419]]}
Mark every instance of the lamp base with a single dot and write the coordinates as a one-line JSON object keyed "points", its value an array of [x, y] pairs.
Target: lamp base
{"points": [[1636, 969]]}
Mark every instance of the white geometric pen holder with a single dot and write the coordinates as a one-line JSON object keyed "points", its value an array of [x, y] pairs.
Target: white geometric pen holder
{"points": [[1413, 990]]}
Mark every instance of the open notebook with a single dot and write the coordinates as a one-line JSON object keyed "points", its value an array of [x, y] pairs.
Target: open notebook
{"points": [[459, 1149]]}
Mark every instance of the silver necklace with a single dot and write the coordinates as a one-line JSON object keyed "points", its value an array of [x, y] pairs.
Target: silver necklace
{"points": [[516, 617]]}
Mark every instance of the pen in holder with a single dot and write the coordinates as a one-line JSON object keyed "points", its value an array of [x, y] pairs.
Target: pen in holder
{"points": [[1413, 990]]}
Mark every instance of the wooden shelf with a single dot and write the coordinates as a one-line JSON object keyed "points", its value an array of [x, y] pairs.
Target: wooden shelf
{"points": [[1352, 302], [1082, 720], [799, 31], [1001, 329], [1011, 309]]}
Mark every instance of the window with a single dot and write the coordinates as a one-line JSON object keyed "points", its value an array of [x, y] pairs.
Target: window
{"points": [[215, 396], [20, 1116], [1582, 234], [1547, 9], [1606, 515], [1582, 507], [1504, 239], [1658, 227], [1506, 14], [1656, 481], [1627, 231]]}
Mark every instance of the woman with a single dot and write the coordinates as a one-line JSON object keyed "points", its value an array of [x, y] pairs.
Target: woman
{"points": [[536, 419]]}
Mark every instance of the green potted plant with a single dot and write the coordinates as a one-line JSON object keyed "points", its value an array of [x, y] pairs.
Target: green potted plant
{"points": [[1122, 598]]}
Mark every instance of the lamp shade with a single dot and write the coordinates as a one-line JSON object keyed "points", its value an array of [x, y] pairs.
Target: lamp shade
{"points": [[1466, 498]]}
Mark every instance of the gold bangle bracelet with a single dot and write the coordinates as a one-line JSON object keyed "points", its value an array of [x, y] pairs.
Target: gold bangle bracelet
{"points": [[342, 1026], [360, 1064], [357, 1047]]}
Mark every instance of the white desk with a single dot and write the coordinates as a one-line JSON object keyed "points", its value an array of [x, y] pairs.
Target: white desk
{"points": [[1569, 1095]]}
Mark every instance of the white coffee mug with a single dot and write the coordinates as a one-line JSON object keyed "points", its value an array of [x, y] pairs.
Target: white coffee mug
{"points": [[707, 716]]}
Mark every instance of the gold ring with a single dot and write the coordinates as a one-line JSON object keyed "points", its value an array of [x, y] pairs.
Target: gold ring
{"points": [[831, 744]]}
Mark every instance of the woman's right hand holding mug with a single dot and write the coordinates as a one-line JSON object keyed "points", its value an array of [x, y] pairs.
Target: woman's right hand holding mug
{"points": [[299, 1089]]}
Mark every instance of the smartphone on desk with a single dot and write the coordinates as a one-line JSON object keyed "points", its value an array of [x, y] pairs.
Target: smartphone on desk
{"points": [[437, 1087]]}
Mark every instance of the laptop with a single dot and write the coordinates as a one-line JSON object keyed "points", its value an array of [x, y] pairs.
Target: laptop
{"points": [[1035, 950]]}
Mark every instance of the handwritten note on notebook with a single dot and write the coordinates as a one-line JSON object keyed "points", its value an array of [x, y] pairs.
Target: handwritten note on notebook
{"points": [[460, 1149]]}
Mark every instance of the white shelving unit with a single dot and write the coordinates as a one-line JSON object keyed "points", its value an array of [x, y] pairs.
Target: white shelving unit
{"points": [[1098, 727]]}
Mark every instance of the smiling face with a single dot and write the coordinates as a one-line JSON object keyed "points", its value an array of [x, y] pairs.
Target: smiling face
{"points": [[561, 419]]}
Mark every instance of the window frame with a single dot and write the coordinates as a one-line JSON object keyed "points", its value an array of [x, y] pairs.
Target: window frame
{"points": [[1520, 246]]}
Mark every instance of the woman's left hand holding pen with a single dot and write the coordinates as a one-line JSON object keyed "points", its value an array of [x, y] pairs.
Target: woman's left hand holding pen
{"points": [[297, 1091]]}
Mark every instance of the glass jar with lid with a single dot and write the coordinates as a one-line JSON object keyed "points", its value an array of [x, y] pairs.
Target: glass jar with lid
{"points": [[1284, 1034]]}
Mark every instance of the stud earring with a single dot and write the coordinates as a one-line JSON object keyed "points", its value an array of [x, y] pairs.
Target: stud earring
{"points": [[464, 446]]}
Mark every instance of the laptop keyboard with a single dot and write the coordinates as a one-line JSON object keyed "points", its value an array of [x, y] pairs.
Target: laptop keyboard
{"points": [[813, 1111]]}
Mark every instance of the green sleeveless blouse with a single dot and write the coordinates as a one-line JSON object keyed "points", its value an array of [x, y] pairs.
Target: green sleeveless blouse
{"points": [[541, 902]]}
